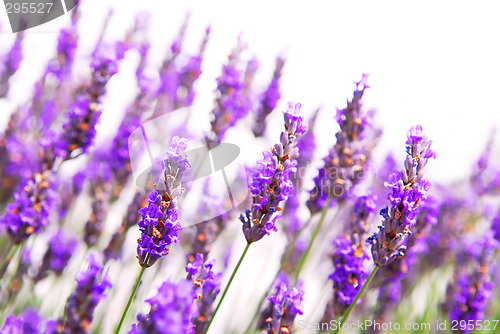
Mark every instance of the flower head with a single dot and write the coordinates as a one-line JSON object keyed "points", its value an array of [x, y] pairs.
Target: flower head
{"points": [[286, 304], [345, 163], [159, 224], [407, 189], [270, 182], [55, 259], [172, 310], [91, 286]]}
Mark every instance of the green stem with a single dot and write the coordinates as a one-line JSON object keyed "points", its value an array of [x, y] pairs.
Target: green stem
{"points": [[313, 237], [353, 304], [6, 259], [228, 285], [132, 295]]}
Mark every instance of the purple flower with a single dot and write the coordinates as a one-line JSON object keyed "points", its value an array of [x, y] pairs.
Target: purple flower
{"points": [[286, 304], [407, 189], [189, 73], [348, 256], [495, 226], [84, 112], [29, 213], [473, 289], [172, 310], [232, 102], [207, 285], [269, 100], [90, 289], [29, 322], [270, 182], [160, 225], [9, 64], [115, 245], [345, 163], [55, 259], [100, 179]]}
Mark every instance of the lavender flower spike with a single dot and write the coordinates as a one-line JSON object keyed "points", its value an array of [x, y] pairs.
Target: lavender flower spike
{"points": [[349, 256], [160, 225], [172, 310], [90, 289], [286, 304], [55, 259], [407, 189], [270, 182]]}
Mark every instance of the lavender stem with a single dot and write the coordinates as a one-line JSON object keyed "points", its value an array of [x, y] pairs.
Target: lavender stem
{"points": [[313, 237], [228, 285], [355, 301], [132, 295]]}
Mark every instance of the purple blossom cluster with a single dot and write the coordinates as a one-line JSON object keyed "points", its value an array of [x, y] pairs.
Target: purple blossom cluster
{"points": [[159, 224], [345, 163], [349, 256], [407, 189], [270, 182], [56, 257], [286, 304], [90, 289], [172, 310]]}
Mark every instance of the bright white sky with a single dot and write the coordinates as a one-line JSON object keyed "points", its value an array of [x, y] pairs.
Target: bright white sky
{"points": [[433, 63]]}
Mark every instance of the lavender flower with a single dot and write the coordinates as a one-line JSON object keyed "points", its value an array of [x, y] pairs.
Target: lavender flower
{"points": [[172, 310], [189, 74], [9, 64], [115, 245], [345, 163], [160, 221], [495, 226], [29, 322], [286, 304], [29, 213], [84, 112], [56, 258], [348, 257], [207, 284], [90, 289], [231, 103], [407, 188], [100, 180], [269, 100], [270, 182], [473, 289]]}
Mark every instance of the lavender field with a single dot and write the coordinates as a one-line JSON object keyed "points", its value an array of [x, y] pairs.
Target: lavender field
{"points": [[214, 168]]}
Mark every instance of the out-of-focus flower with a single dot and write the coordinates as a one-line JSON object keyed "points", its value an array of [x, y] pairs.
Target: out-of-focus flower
{"points": [[232, 102], [9, 64], [29, 322], [91, 286], [407, 189], [345, 163], [349, 255], [469, 294], [160, 225], [172, 310], [207, 285], [270, 182], [56, 257], [269, 100], [286, 303]]}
